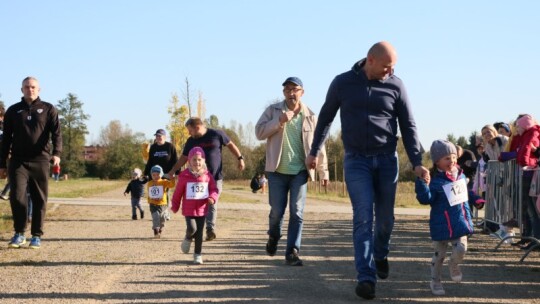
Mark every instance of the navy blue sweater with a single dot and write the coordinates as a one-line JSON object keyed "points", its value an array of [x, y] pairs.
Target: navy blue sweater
{"points": [[371, 111], [136, 187]]}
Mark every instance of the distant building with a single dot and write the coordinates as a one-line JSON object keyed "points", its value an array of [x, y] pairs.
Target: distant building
{"points": [[93, 153]]}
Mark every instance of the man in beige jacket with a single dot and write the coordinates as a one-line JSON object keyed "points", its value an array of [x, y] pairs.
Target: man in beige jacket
{"points": [[288, 128]]}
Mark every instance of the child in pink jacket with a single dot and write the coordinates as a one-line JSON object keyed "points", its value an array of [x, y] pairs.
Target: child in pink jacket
{"points": [[195, 189]]}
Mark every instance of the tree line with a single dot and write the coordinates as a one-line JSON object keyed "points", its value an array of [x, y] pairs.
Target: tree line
{"points": [[122, 149]]}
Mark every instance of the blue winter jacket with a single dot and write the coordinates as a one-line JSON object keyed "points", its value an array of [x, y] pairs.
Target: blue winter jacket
{"points": [[370, 111], [445, 222]]}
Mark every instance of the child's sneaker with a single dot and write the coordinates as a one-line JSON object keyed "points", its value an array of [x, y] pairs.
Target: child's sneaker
{"points": [[455, 271], [186, 244], [157, 233], [436, 288], [142, 215], [17, 241], [35, 242], [197, 259]]}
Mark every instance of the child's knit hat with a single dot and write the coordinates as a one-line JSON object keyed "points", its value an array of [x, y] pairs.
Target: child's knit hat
{"points": [[441, 148], [157, 169], [525, 122], [137, 173], [194, 151]]}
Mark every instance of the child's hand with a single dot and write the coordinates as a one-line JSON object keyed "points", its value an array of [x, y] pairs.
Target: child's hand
{"points": [[479, 203], [125, 193], [210, 201]]}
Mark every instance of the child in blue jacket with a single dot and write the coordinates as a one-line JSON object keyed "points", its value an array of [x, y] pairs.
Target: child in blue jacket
{"points": [[450, 217]]}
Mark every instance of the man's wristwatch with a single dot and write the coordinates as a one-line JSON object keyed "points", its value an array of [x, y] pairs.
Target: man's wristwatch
{"points": [[240, 157]]}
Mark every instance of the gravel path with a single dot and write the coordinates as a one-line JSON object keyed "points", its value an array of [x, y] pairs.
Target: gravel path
{"points": [[94, 253]]}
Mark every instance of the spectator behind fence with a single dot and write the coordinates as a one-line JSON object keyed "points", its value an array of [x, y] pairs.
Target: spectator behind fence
{"points": [[511, 153], [529, 130], [479, 183], [467, 162], [503, 129], [450, 216], [494, 143]]}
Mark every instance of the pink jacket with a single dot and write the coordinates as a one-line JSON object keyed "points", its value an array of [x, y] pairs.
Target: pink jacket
{"points": [[194, 193]]}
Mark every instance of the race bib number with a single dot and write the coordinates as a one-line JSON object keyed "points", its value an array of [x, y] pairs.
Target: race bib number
{"points": [[197, 190], [155, 192], [456, 192]]}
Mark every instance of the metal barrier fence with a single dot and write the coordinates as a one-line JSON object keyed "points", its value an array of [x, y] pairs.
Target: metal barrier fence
{"points": [[504, 198]]}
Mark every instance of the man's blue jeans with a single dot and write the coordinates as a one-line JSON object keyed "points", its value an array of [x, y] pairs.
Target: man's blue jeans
{"points": [[279, 186], [211, 216], [371, 182]]}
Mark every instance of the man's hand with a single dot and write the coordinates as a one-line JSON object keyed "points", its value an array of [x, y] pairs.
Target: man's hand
{"points": [[423, 173], [3, 173], [311, 162], [324, 182], [286, 117], [241, 165], [56, 161]]}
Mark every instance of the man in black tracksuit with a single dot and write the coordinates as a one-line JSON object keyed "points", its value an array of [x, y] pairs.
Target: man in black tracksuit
{"points": [[29, 126]]}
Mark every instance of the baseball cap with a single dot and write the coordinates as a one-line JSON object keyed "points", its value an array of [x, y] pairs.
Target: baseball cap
{"points": [[160, 132], [294, 80]]}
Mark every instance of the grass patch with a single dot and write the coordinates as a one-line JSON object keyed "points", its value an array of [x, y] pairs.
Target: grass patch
{"points": [[227, 197], [73, 188], [405, 196], [83, 187]]}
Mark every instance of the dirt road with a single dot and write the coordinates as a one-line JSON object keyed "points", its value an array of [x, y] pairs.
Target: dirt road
{"points": [[94, 253]]}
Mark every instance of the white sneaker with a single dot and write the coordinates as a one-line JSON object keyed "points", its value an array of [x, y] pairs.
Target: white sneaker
{"points": [[197, 259], [499, 234], [436, 288], [455, 271], [186, 244], [510, 233]]}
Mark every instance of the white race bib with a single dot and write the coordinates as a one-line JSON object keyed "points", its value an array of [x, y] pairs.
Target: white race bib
{"points": [[155, 192], [197, 190], [456, 192]]}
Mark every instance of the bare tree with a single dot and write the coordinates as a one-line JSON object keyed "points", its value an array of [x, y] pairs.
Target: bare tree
{"points": [[187, 96]]}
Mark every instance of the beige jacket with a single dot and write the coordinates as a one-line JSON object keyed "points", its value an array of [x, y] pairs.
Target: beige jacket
{"points": [[269, 128]]}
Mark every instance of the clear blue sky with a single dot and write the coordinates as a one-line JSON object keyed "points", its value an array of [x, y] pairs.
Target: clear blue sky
{"points": [[465, 63]]}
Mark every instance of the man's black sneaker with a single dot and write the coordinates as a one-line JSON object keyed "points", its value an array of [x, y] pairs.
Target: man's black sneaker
{"points": [[531, 245], [271, 246], [366, 290], [142, 215], [521, 242], [210, 235], [133, 217], [382, 268], [292, 259]]}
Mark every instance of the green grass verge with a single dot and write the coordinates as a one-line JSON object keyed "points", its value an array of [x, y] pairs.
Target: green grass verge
{"points": [[84, 187]]}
